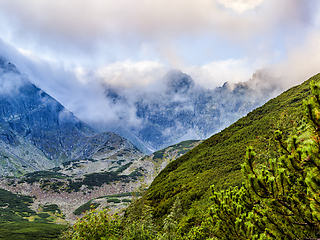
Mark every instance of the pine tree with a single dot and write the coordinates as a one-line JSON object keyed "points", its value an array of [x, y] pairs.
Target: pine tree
{"points": [[230, 212], [286, 191], [170, 223]]}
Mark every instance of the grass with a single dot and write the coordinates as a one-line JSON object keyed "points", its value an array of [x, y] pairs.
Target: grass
{"points": [[29, 230]]}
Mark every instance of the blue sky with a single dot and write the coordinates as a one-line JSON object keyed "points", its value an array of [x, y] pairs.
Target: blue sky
{"points": [[71, 48]]}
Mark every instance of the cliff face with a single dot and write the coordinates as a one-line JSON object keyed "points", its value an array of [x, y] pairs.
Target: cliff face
{"points": [[37, 132]]}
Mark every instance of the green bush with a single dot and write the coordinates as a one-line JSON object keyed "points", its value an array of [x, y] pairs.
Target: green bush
{"points": [[114, 200], [85, 207], [53, 208], [30, 230], [95, 226]]}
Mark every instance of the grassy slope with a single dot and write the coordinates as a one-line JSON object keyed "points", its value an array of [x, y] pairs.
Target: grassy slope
{"points": [[14, 209], [29, 230], [217, 160]]}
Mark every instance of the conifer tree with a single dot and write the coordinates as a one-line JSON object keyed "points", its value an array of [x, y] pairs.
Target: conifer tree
{"points": [[170, 223], [230, 212], [286, 191]]}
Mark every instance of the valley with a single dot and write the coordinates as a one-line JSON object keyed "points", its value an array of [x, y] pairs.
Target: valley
{"points": [[74, 184]]}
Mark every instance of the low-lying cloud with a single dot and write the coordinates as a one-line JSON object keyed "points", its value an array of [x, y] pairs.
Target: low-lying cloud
{"points": [[302, 62]]}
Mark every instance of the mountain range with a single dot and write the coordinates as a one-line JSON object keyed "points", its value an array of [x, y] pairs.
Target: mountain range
{"points": [[179, 109], [37, 132]]}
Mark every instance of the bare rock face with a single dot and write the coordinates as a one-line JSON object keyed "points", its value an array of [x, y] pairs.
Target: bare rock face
{"points": [[37, 132]]}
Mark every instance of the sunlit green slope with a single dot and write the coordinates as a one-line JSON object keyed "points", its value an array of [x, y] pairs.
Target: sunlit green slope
{"points": [[217, 160]]}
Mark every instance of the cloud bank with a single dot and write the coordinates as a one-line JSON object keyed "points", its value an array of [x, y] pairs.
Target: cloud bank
{"points": [[73, 49], [93, 30]]}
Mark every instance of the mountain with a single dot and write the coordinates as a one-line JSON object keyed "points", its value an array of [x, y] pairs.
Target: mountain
{"points": [[180, 109], [37, 132], [216, 161]]}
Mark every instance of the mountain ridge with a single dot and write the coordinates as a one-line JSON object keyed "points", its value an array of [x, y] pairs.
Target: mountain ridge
{"points": [[38, 133], [181, 110]]}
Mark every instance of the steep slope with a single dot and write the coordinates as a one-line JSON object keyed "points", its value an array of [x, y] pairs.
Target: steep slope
{"points": [[180, 109], [217, 160], [37, 132]]}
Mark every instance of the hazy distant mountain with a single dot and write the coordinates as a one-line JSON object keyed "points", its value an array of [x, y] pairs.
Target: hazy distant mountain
{"points": [[183, 110], [37, 132]]}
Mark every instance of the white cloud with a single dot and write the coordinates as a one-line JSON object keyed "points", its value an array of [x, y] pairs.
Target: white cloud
{"points": [[241, 6], [109, 31], [302, 61], [216, 73], [131, 74]]}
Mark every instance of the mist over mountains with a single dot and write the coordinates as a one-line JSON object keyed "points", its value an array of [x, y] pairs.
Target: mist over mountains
{"points": [[37, 132], [179, 109]]}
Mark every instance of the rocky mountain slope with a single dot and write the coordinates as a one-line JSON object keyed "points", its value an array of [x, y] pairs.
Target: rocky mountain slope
{"points": [[37, 132], [74, 186], [180, 110]]}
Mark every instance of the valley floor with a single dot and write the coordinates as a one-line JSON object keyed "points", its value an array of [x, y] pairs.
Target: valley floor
{"points": [[67, 202]]}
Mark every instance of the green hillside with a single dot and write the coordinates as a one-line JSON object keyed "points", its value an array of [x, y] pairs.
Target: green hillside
{"points": [[217, 160]]}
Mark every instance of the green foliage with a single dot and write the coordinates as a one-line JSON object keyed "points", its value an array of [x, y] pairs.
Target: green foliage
{"points": [[279, 199], [127, 194], [39, 175], [229, 213], [43, 215], [158, 154], [114, 200], [137, 223], [29, 230], [85, 207], [170, 223], [51, 180], [45, 174], [95, 226], [218, 159], [110, 198], [53, 208], [98, 179], [185, 144], [14, 207], [124, 167]]}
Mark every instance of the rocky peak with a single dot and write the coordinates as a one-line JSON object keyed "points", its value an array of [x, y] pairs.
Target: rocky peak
{"points": [[178, 82], [7, 66]]}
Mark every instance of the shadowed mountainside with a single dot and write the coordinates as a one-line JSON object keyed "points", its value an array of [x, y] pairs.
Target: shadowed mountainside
{"points": [[37, 132]]}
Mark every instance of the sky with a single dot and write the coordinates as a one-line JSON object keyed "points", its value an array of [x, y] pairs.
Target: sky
{"points": [[72, 48]]}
